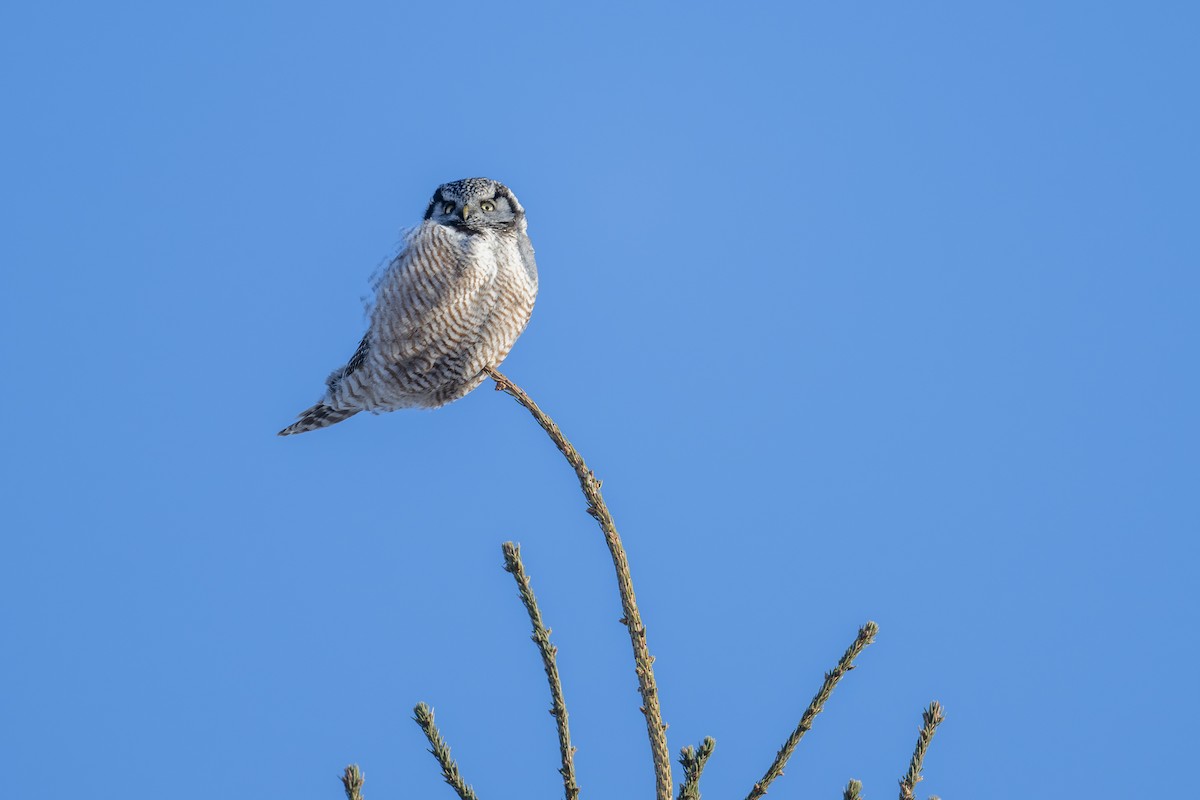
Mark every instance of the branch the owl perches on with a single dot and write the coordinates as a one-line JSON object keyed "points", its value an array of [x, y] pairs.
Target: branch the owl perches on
{"points": [[692, 759]]}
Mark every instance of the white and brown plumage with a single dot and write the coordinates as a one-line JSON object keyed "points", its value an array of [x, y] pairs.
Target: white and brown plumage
{"points": [[450, 305]]}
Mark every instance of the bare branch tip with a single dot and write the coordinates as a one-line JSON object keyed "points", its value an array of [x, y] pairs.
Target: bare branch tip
{"points": [[931, 718], [352, 782], [865, 635]]}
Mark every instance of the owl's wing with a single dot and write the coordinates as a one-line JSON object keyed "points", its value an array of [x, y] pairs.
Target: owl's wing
{"points": [[356, 361], [382, 274], [360, 354]]}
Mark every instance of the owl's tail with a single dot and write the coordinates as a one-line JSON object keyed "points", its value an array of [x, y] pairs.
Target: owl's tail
{"points": [[319, 416]]}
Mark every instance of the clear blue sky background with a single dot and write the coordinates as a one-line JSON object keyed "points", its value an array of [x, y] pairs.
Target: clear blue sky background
{"points": [[862, 311]]}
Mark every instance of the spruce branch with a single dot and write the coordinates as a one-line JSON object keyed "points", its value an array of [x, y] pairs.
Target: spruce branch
{"points": [[693, 762], [541, 637], [930, 719], [632, 619], [352, 780], [866, 635], [423, 715], [853, 791]]}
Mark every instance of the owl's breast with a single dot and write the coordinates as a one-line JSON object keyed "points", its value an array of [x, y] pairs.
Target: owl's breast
{"points": [[452, 304]]}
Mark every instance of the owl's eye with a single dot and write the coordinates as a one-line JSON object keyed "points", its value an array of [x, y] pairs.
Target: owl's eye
{"points": [[448, 208], [488, 205]]}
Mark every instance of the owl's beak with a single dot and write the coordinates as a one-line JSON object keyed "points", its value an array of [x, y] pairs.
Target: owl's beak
{"points": [[466, 212]]}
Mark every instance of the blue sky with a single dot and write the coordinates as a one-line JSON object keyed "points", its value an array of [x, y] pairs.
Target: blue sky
{"points": [[861, 311]]}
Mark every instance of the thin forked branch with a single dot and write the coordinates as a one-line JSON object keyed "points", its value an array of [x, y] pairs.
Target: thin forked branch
{"points": [[352, 781], [423, 715], [866, 635], [541, 637], [632, 619], [930, 719], [693, 761]]}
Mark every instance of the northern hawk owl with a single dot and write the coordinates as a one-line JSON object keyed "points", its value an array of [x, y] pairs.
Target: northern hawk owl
{"points": [[450, 305]]}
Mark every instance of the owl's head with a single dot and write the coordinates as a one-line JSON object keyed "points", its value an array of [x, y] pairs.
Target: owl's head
{"points": [[475, 205]]}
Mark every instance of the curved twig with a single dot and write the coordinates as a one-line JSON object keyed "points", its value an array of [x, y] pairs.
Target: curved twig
{"points": [[541, 637], [866, 635], [632, 619], [423, 715], [930, 719]]}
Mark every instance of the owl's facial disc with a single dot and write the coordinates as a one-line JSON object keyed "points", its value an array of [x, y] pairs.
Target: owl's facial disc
{"points": [[474, 205]]}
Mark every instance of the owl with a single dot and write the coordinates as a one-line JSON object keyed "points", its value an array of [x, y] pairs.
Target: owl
{"points": [[450, 305]]}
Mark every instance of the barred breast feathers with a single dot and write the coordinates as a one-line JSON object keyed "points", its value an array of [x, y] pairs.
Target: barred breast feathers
{"points": [[448, 306]]}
